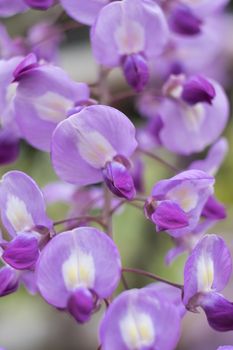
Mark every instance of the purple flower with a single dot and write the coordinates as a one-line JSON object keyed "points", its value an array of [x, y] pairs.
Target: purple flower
{"points": [[225, 347], [23, 215], [206, 273], [138, 320], [10, 47], [121, 36], [83, 11], [78, 268], [95, 145], [44, 96], [9, 280], [176, 204], [194, 115]]}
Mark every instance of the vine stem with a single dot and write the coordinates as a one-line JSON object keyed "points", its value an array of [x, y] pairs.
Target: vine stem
{"points": [[98, 220], [159, 159], [152, 276]]}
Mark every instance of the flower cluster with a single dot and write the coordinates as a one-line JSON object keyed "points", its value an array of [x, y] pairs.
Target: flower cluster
{"points": [[170, 56]]}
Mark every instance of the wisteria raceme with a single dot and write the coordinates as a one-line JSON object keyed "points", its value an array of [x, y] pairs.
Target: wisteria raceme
{"points": [[132, 160]]}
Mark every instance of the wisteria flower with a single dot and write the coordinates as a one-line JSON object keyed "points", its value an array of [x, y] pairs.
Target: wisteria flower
{"points": [[95, 145], [23, 215], [77, 269], [176, 204], [44, 97], [121, 36], [135, 320], [194, 116], [206, 273]]}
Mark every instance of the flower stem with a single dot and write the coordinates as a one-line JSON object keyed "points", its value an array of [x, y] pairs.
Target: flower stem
{"points": [[160, 160], [152, 276], [98, 220]]}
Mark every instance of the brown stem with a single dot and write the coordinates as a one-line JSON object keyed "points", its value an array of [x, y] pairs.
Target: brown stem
{"points": [[107, 210], [124, 281], [152, 276], [80, 218], [160, 160]]}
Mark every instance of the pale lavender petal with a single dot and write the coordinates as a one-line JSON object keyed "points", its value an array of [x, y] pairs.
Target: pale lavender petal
{"points": [[167, 293], [43, 98], [214, 159], [135, 309], [96, 246], [83, 11], [11, 8], [207, 268], [108, 132], [22, 203]]}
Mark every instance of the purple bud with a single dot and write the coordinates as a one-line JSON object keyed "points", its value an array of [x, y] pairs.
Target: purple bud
{"points": [[8, 281], [214, 209], [198, 89], [39, 4], [28, 63], [9, 146], [184, 21], [81, 304], [219, 311], [119, 180], [168, 215], [136, 71], [22, 252]]}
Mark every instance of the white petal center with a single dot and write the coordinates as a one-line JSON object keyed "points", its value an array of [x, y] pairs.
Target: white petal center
{"points": [[17, 214], [129, 37], [205, 273], [137, 330], [185, 195], [79, 270]]}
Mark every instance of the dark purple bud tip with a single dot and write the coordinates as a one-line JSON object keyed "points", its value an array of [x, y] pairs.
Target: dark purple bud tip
{"points": [[183, 21], [119, 180], [9, 281], [81, 304], [219, 311], [169, 216], [198, 89], [28, 63], [214, 210], [22, 252], [9, 147], [136, 71], [40, 4]]}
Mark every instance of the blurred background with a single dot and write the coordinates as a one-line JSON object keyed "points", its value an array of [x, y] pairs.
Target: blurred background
{"points": [[27, 322]]}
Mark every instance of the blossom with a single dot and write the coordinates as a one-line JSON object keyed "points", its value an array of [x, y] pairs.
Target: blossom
{"points": [[78, 268], [95, 145], [137, 320], [176, 204], [44, 97], [83, 11], [23, 215], [121, 36], [206, 273]]}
